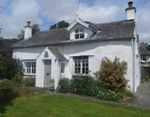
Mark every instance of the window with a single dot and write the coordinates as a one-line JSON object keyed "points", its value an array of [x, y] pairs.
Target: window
{"points": [[144, 58], [81, 65], [62, 67], [79, 33], [30, 67]]}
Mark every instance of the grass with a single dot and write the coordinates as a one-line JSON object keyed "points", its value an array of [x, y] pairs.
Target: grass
{"points": [[60, 106]]}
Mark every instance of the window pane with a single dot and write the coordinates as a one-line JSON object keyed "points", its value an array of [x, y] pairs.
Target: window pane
{"points": [[87, 70], [76, 36], [78, 63], [82, 35], [79, 70], [81, 65], [77, 30], [83, 70], [76, 70], [31, 67], [62, 67]]}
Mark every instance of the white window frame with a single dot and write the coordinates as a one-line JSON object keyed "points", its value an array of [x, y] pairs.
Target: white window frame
{"points": [[81, 66], [31, 67], [63, 67], [79, 33]]}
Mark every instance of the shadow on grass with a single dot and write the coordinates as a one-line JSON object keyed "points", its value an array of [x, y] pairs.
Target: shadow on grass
{"points": [[3, 106]]}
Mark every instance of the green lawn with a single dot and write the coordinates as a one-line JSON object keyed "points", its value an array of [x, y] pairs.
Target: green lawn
{"points": [[61, 106]]}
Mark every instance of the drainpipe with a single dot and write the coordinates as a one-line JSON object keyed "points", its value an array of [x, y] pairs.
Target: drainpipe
{"points": [[133, 60]]}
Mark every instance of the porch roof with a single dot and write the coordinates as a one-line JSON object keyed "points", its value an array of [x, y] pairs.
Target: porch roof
{"points": [[57, 53]]}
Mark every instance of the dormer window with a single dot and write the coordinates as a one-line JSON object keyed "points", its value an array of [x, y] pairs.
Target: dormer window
{"points": [[79, 34]]}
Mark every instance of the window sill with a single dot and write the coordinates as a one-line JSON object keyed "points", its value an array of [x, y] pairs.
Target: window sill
{"points": [[80, 75], [26, 74]]}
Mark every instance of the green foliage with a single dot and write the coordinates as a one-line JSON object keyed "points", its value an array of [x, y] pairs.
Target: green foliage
{"points": [[35, 28], [25, 91], [123, 95], [17, 78], [85, 85], [7, 42], [7, 90], [145, 44], [60, 24], [145, 76], [9, 67], [52, 81], [29, 81], [111, 74], [64, 85]]}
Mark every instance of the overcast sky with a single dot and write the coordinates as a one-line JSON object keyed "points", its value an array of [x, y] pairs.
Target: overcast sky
{"points": [[15, 13]]}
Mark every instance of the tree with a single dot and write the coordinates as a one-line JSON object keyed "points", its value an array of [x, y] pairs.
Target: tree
{"points": [[35, 28], [145, 44], [60, 24], [21, 35]]}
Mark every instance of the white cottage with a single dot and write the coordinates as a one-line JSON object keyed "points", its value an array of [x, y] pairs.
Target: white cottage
{"points": [[79, 49]]}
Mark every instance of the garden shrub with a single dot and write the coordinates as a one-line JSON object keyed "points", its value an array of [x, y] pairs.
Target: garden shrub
{"points": [[85, 85], [111, 74], [7, 90], [145, 76], [122, 96], [9, 67], [64, 85], [29, 82], [17, 78]]}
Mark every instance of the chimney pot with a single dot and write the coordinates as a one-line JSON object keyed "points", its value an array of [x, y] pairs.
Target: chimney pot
{"points": [[28, 23], [130, 3]]}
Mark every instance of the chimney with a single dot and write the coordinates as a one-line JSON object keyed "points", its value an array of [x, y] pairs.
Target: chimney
{"points": [[28, 31], [131, 11]]}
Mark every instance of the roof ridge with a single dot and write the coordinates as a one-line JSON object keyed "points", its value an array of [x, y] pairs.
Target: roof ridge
{"points": [[112, 22], [50, 30]]}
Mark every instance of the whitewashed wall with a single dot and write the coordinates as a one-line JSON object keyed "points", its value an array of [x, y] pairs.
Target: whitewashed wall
{"points": [[27, 53], [96, 51]]}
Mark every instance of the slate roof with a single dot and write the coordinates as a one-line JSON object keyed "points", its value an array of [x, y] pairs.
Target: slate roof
{"points": [[57, 53], [144, 50], [105, 31]]}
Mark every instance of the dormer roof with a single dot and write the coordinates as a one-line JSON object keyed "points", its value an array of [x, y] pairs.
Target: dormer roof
{"points": [[84, 23]]}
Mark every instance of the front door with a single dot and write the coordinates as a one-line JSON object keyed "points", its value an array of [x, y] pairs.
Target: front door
{"points": [[47, 73]]}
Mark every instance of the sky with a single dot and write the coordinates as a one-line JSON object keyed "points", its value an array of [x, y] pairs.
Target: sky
{"points": [[15, 13]]}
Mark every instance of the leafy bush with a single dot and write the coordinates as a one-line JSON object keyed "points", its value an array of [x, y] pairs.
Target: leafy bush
{"points": [[85, 85], [64, 85], [7, 90], [145, 76], [111, 74], [17, 78], [29, 81], [123, 96], [25, 91], [9, 67]]}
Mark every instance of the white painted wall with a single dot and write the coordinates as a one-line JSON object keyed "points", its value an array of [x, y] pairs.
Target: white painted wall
{"points": [[27, 53], [131, 14], [95, 50], [55, 74], [87, 32], [98, 50]]}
